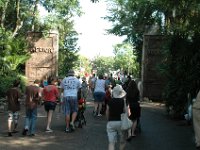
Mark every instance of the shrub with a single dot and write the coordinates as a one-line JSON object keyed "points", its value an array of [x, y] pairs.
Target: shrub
{"points": [[7, 82]]}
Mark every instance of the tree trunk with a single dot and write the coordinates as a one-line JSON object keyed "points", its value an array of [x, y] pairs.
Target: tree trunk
{"points": [[4, 13], [34, 15], [19, 23]]}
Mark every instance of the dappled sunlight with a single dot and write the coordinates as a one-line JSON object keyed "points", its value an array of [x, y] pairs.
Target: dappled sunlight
{"points": [[38, 141], [22, 142], [90, 104], [153, 105], [93, 135]]}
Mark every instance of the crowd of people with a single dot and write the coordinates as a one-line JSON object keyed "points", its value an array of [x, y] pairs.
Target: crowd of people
{"points": [[108, 95], [46, 93], [111, 93]]}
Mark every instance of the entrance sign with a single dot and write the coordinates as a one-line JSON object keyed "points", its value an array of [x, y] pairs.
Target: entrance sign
{"points": [[44, 56], [152, 81]]}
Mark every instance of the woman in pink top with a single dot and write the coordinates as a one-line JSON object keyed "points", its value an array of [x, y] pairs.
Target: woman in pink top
{"points": [[50, 96]]}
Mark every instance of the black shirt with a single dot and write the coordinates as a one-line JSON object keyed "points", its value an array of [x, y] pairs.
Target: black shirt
{"points": [[116, 107]]}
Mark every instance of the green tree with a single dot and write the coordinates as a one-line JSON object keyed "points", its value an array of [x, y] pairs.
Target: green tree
{"points": [[12, 53], [19, 16], [68, 53], [178, 22], [125, 60], [83, 65], [104, 65], [132, 19]]}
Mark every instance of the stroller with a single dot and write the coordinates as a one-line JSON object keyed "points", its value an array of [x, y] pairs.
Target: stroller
{"points": [[80, 119]]}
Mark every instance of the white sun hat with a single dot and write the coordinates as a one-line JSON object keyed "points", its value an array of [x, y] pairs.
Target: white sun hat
{"points": [[118, 92]]}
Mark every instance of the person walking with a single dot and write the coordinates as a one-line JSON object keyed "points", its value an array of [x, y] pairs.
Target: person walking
{"points": [[33, 96], [71, 86], [133, 97], [13, 95], [84, 88], [196, 120], [92, 83], [112, 80], [126, 83], [50, 95], [99, 95], [114, 110]]}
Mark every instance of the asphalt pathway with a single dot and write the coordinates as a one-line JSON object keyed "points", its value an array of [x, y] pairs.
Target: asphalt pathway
{"points": [[158, 133]]}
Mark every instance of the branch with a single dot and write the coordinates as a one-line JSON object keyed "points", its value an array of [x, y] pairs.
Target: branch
{"points": [[34, 15], [3, 13], [94, 1], [19, 23], [18, 26]]}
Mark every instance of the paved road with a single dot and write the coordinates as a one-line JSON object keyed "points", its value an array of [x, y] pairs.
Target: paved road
{"points": [[158, 133]]}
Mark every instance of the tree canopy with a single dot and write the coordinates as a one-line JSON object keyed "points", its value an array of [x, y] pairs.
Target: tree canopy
{"points": [[179, 22], [19, 16]]}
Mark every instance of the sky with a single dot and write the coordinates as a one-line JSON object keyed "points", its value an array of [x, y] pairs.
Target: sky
{"points": [[93, 40]]}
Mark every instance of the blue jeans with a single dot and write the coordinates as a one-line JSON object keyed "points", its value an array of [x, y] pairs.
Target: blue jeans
{"points": [[30, 120]]}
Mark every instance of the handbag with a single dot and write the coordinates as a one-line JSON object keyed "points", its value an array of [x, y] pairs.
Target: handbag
{"points": [[126, 123]]}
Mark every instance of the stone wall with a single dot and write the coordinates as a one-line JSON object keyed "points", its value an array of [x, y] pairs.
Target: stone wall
{"points": [[44, 56], [152, 81]]}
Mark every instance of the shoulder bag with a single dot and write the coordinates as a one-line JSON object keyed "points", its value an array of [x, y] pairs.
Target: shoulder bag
{"points": [[126, 123]]}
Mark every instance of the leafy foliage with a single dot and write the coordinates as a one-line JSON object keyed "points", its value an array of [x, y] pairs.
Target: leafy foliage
{"points": [[103, 64], [179, 22], [19, 16], [7, 82], [83, 65], [133, 19], [12, 53], [68, 53], [125, 59]]}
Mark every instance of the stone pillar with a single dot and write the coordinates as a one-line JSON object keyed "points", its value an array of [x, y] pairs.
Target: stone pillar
{"points": [[44, 56], [152, 81]]}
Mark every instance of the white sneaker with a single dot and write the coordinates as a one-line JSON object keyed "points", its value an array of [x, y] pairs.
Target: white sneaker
{"points": [[49, 131], [72, 126], [99, 115]]}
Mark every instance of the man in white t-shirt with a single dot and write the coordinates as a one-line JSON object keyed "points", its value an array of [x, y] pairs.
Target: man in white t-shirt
{"points": [[71, 86]]}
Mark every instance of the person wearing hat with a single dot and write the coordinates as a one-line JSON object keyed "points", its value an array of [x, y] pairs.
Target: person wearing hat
{"points": [[71, 86], [114, 110]]}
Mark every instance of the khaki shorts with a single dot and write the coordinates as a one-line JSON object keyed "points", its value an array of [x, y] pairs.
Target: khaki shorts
{"points": [[114, 130], [13, 116]]}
